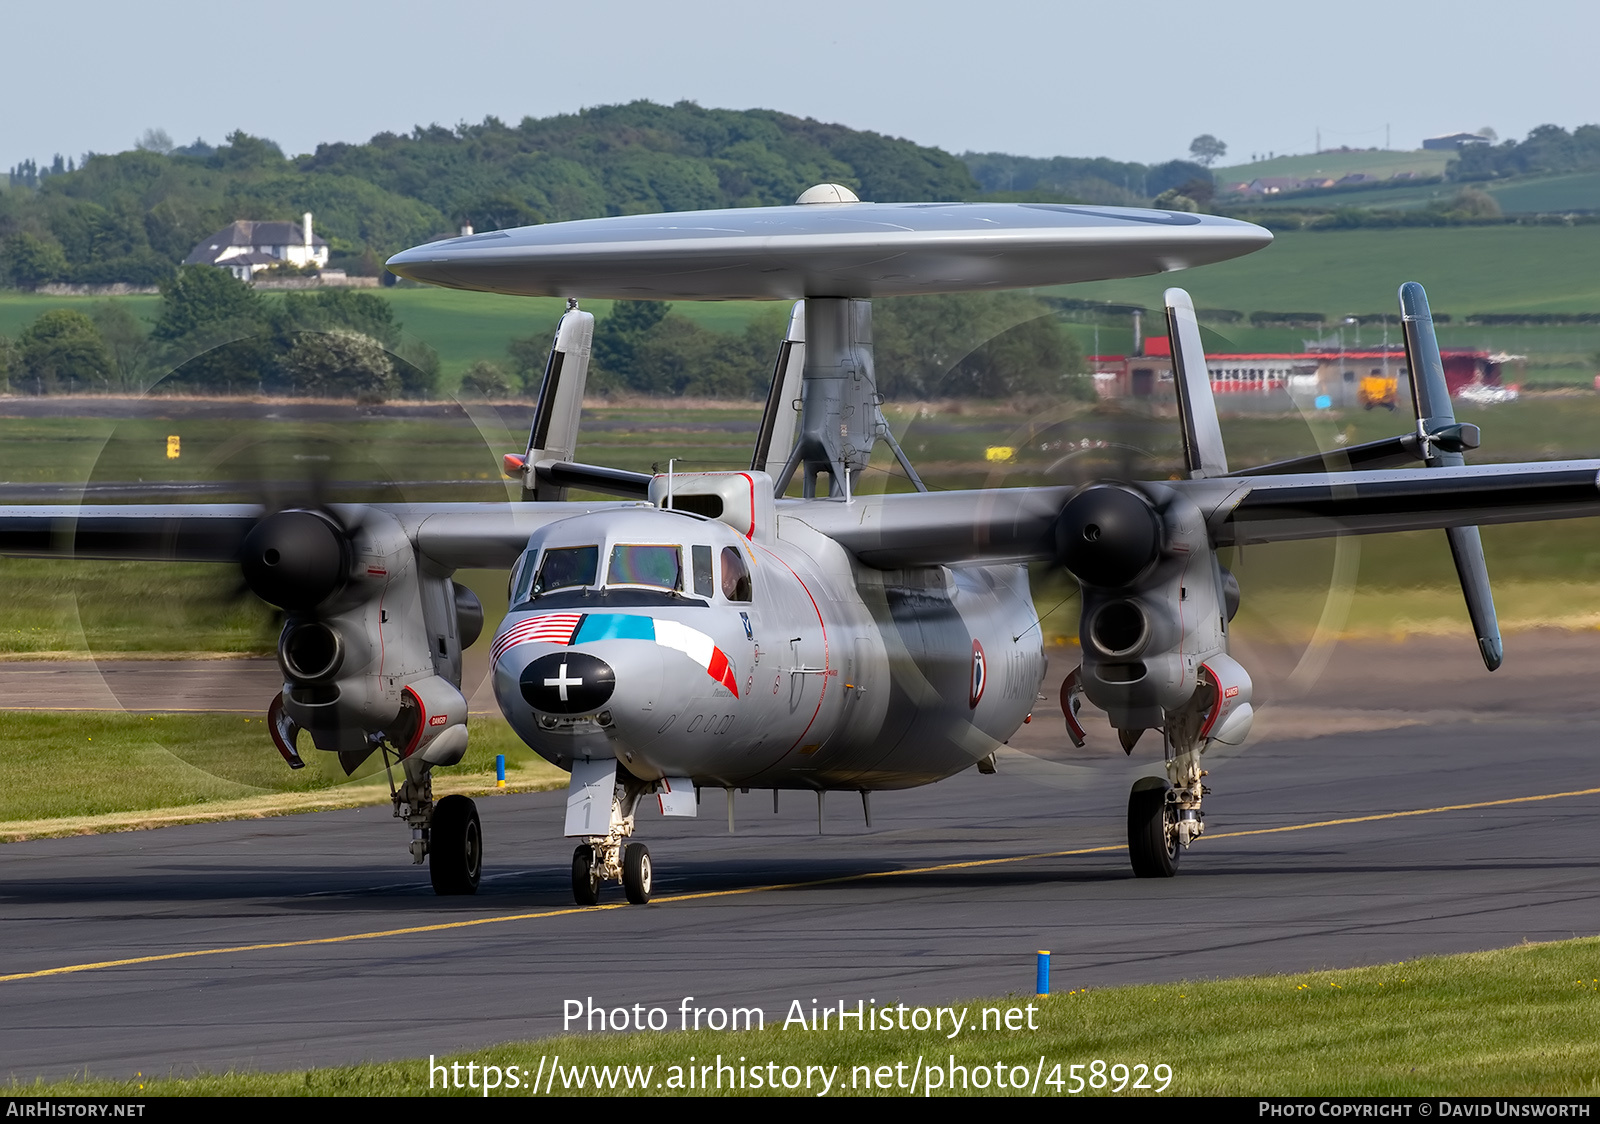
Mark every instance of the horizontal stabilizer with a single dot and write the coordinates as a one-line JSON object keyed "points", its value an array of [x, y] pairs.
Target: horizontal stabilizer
{"points": [[594, 478], [1386, 452]]}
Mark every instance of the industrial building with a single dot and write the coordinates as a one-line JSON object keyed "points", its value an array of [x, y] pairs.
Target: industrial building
{"points": [[1256, 380]]}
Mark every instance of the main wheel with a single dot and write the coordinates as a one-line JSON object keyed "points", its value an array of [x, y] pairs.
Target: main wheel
{"points": [[636, 873], [1152, 842], [585, 876], [455, 847]]}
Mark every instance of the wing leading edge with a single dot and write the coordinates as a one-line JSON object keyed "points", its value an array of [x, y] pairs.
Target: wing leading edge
{"points": [[1017, 524]]}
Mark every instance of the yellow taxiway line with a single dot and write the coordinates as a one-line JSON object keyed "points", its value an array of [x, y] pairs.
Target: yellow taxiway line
{"points": [[443, 926]]}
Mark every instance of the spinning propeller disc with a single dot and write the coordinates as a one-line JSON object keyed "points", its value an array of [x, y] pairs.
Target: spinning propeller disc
{"points": [[276, 454], [987, 444]]}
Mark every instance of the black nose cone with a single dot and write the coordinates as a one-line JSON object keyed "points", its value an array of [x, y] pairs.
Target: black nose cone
{"points": [[568, 683]]}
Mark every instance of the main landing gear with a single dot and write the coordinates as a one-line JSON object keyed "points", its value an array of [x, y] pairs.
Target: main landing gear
{"points": [[1164, 816], [446, 833]]}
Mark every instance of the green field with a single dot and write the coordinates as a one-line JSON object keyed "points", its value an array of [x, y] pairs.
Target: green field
{"points": [[1490, 269], [1577, 191], [1517, 1022], [1465, 269], [1337, 273], [1338, 164], [462, 327]]}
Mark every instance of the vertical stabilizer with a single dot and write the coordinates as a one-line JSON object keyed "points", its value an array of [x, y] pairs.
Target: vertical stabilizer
{"points": [[554, 436], [1436, 417], [1197, 410], [779, 420]]}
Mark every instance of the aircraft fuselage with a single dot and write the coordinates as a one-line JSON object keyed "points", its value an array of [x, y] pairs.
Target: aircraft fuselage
{"points": [[814, 673]]}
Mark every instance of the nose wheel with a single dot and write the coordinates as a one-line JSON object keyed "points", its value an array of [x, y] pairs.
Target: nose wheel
{"points": [[591, 868], [585, 876], [636, 873]]}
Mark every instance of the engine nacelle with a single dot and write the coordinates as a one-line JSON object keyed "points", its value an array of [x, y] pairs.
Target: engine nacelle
{"points": [[377, 655], [1154, 599]]}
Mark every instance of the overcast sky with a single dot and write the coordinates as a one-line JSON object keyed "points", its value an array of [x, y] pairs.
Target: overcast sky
{"points": [[1131, 81]]}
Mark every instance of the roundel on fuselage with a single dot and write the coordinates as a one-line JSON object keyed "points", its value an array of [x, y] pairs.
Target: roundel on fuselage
{"points": [[567, 683]]}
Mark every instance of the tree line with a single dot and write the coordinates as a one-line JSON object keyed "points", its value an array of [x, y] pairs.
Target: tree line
{"points": [[1546, 150], [216, 335], [132, 216]]}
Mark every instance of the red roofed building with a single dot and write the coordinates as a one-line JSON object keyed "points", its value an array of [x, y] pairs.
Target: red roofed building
{"points": [[1302, 374]]}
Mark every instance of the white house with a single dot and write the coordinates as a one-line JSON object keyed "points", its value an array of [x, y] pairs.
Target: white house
{"points": [[245, 248]]}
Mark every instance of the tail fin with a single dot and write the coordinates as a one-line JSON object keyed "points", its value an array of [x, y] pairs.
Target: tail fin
{"points": [[1197, 410], [1436, 417], [775, 438], [554, 436]]}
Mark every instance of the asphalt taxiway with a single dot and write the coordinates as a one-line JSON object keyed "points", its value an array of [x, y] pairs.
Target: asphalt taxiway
{"points": [[1357, 830]]}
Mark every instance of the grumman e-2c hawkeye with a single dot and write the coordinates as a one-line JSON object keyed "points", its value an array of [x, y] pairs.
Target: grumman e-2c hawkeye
{"points": [[706, 632]]}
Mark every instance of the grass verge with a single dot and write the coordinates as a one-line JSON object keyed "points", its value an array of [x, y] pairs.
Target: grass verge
{"points": [[88, 771], [1519, 1021]]}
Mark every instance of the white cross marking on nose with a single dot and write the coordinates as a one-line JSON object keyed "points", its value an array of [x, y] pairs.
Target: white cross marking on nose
{"points": [[562, 682]]}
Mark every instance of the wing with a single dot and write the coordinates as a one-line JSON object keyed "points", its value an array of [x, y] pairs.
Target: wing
{"points": [[452, 535], [1018, 524]]}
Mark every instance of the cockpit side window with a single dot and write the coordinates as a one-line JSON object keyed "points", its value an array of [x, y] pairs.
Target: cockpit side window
{"points": [[565, 567], [735, 576], [659, 566], [703, 582]]}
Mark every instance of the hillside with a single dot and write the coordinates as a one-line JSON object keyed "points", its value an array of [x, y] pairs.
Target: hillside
{"points": [[1465, 269], [1383, 163], [133, 216]]}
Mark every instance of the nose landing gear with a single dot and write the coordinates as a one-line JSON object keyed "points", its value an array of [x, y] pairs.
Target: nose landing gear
{"points": [[601, 806]]}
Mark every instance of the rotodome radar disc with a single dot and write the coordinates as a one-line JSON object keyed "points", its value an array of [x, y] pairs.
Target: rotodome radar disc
{"points": [[839, 249]]}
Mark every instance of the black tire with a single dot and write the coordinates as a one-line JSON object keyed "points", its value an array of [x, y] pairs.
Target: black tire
{"points": [[585, 877], [1153, 849], [636, 873], [455, 847]]}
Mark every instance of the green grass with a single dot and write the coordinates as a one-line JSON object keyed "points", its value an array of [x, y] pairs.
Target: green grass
{"points": [[1516, 1022], [1465, 269], [99, 763], [1338, 164], [1576, 191]]}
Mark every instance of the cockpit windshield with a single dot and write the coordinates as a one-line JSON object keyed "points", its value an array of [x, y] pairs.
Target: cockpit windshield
{"points": [[659, 566], [562, 568]]}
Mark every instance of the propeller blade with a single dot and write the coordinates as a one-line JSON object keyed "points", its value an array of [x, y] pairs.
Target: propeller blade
{"points": [[1197, 412], [1430, 394]]}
